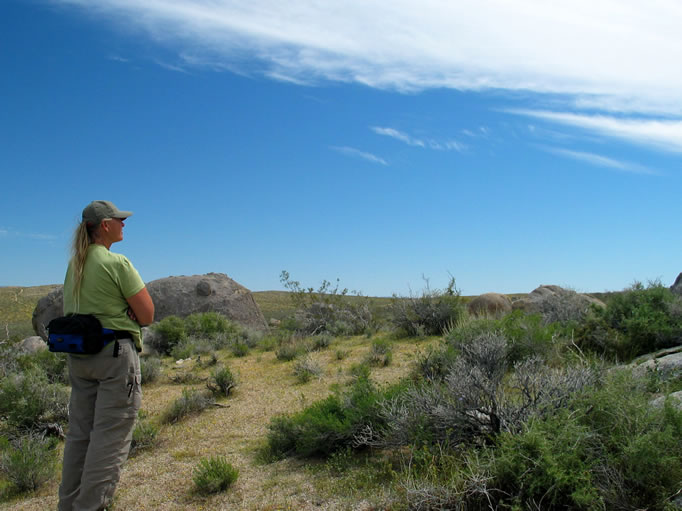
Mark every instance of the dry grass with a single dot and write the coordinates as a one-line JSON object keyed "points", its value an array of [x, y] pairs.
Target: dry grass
{"points": [[161, 478]]}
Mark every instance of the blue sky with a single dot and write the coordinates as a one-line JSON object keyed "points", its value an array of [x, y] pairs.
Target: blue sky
{"points": [[508, 144]]}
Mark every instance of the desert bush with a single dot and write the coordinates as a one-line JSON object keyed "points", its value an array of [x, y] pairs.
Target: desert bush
{"points": [[185, 377], [222, 381], [145, 436], [213, 475], [327, 309], [209, 324], [306, 369], [171, 331], [150, 369], [192, 402], [565, 307], [240, 349], [8, 359], [433, 365], [599, 452], [429, 314], [29, 462], [330, 424], [480, 397], [321, 341], [197, 333], [53, 365], [28, 400], [290, 350], [527, 335], [637, 321], [192, 345], [380, 353]]}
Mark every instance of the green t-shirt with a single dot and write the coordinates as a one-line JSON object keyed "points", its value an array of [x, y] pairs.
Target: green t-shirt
{"points": [[108, 279]]}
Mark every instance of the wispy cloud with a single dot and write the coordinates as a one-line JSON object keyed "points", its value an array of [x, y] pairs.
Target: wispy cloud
{"points": [[545, 47], [118, 58], [448, 145], [171, 67], [600, 161], [6, 233], [351, 151], [398, 135], [661, 134]]}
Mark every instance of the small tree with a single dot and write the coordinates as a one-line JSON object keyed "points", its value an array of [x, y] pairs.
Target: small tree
{"points": [[429, 314], [328, 309]]}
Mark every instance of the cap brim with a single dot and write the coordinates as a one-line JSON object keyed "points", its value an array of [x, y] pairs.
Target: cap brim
{"points": [[123, 214]]}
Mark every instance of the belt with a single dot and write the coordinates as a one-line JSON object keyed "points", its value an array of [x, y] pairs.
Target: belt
{"points": [[116, 334]]}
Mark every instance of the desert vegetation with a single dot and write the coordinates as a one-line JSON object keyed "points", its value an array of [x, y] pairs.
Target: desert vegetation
{"points": [[405, 403]]}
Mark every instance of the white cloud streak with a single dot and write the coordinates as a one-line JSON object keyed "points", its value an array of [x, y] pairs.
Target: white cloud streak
{"points": [[600, 161], [351, 151], [398, 135], [449, 145], [30, 235], [611, 54], [660, 134]]}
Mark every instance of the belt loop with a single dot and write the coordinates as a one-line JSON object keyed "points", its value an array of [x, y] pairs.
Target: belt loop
{"points": [[117, 347]]}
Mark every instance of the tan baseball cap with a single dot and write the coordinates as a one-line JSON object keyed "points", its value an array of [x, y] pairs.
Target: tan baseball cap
{"points": [[98, 210]]}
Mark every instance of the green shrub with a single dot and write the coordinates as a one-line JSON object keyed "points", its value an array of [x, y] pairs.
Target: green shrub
{"points": [[171, 330], [221, 382], [380, 353], [209, 324], [150, 368], [429, 314], [306, 368], [602, 451], [321, 341], [527, 335], [330, 424], [190, 346], [29, 462], [52, 364], [269, 342], [290, 350], [435, 363], [28, 400], [240, 349], [213, 475], [637, 321], [145, 436], [192, 402]]}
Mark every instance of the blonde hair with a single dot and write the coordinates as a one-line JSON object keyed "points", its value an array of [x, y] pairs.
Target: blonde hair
{"points": [[82, 238]]}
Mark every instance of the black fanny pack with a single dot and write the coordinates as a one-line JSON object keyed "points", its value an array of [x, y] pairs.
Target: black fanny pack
{"points": [[82, 334]]}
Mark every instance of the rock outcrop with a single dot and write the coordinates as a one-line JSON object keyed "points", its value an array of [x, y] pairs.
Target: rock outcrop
{"points": [[32, 345], [677, 286], [213, 292], [177, 296], [48, 308], [556, 303], [667, 363], [494, 304]]}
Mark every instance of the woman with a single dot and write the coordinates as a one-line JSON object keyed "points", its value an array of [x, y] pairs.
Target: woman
{"points": [[105, 387]]}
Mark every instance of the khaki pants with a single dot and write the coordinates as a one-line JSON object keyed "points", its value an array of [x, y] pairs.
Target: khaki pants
{"points": [[105, 398]]}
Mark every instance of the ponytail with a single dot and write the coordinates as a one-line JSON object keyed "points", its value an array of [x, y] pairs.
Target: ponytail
{"points": [[82, 238]]}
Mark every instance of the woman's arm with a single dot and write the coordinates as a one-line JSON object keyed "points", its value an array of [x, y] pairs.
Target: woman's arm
{"points": [[142, 307]]}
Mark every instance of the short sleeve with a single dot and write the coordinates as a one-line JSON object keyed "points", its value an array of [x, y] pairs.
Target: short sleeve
{"points": [[129, 279]]}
